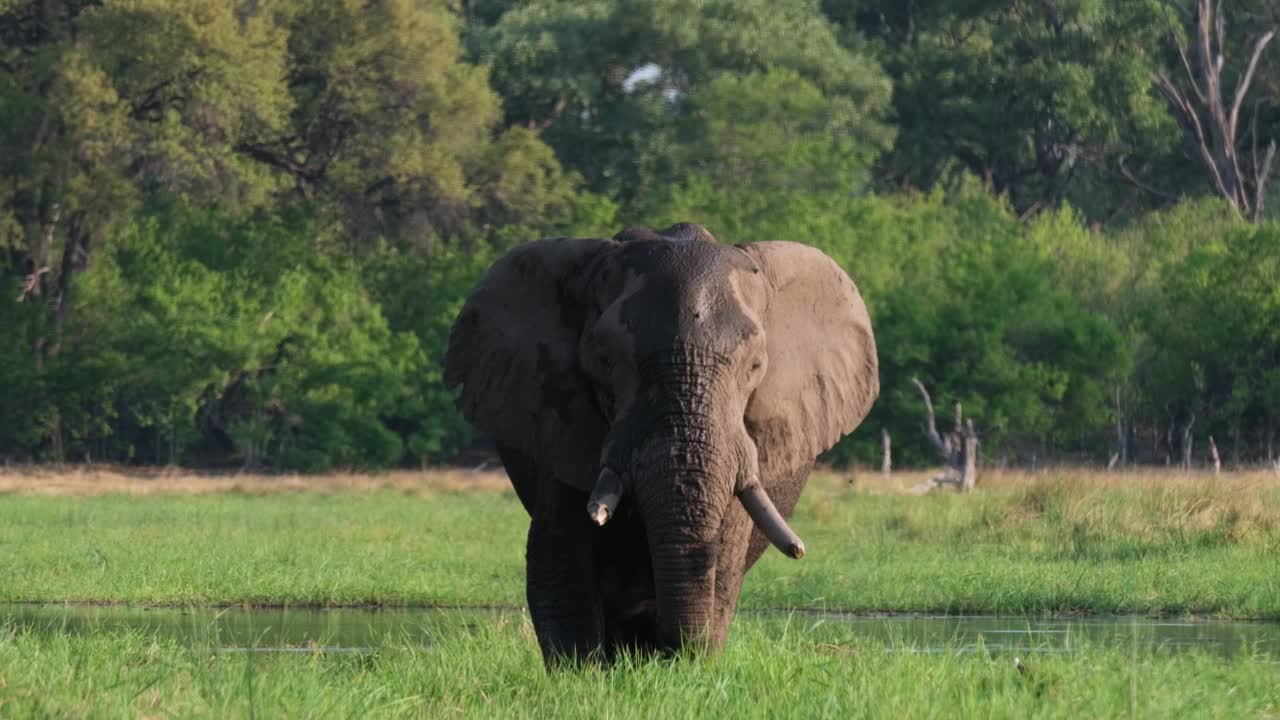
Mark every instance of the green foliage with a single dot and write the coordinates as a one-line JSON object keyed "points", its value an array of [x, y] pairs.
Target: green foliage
{"points": [[421, 295], [201, 338], [237, 231], [393, 129], [1042, 101], [572, 68], [1217, 320], [974, 313], [755, 148]]}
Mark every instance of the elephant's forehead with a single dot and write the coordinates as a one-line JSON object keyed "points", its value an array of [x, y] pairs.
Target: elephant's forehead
{"points": [[682, 292]]}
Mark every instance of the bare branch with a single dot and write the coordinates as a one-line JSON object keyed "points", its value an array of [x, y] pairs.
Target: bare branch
{"points": [[1204, 49], [959, 449], [1186, 65], [1127, 174], [1189, 119], [1221, 26], [1243, 88], [1215, 135], [931, 429]]}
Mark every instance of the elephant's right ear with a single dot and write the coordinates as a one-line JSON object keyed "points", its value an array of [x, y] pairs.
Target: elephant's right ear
{"points": [[514, 352]]}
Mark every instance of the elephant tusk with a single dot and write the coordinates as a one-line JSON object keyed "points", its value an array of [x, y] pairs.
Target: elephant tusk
{"points": [[605, 497], [766, 517]]}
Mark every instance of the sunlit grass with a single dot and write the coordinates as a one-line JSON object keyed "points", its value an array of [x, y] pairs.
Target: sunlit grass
{"points": [[1062, 541], [494, 671]]}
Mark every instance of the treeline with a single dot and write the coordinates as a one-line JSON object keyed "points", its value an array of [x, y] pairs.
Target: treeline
{"points": [[236, 232]]}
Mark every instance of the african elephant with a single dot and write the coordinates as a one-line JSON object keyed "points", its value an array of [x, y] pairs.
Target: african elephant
{"points": [[658, 400]]}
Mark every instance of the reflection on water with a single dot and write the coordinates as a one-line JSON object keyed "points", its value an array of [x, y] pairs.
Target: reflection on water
{"points": [[359, 630], [1008, 634], [239, 629]]}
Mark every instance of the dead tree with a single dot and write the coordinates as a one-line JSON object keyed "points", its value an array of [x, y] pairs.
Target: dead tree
{"points": [[1210, 121], [1271, 441], [959, 448], [1186, 442], [886, 444], [1122, 438]]}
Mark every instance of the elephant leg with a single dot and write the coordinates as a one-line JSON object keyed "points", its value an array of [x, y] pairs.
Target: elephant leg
{"points": [[625, 575], [560, 576]]}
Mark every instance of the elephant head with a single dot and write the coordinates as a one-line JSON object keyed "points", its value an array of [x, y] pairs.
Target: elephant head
{"points": [[672, 373]]}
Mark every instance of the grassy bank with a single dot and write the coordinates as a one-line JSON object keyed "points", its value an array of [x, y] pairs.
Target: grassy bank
{"points": [[1055, 542], [494, 671]]}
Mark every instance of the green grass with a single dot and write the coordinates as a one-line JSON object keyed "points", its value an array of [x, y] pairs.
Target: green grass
{"points": [[1141, 544], [801, 671], [1068, 543]]}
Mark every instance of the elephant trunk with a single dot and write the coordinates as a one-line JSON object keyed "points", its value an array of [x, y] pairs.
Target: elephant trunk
{"points": [[683, 481], [693, 457], [682, 525]]}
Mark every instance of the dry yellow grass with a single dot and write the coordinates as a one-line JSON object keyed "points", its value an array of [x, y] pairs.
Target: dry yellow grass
{"points": [[71, 480], [1083, 477], [1141, 504], [83, 480]]}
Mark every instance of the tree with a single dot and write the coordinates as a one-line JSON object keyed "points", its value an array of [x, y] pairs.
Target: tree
{"points": [[1218, 342], [362, 112], [610, 81], [1210, 119], [1045, 101], [390, 128], [963, 298], [102, 103], [758, 152]]}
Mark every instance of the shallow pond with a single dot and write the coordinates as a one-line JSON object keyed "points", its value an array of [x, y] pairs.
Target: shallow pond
{"points": [[359, 630]]}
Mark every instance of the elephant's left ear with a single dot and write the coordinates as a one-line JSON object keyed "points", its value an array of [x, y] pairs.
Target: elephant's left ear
{"points": [[823, 374]]}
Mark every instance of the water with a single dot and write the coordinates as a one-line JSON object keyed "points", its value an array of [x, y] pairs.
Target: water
{"points": [[1021, 635], [362, 630]]}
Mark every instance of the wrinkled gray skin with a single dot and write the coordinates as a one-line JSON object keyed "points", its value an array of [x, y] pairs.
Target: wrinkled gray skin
{"points": [[682, 389]]}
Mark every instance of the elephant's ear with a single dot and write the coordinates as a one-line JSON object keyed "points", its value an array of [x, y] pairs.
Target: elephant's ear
{"points": [[823, 374], [513, 351]]}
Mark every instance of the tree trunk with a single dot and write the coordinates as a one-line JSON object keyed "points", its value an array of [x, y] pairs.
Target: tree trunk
{"points": [[970, 477], [1122, 438], [958, 449], [1205, 105], [75, 258], [886, 444], [1213, 455], [1186, 442]]}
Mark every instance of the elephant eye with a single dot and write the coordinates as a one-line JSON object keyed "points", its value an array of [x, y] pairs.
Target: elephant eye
{"points": [[756, 365]]}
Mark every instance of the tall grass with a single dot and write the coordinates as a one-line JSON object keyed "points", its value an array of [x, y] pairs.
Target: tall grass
{"points": [[494, 671], [1062, 541]]}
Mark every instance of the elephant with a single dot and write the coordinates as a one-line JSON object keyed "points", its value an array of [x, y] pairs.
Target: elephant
{"points": [[658, 400]]}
